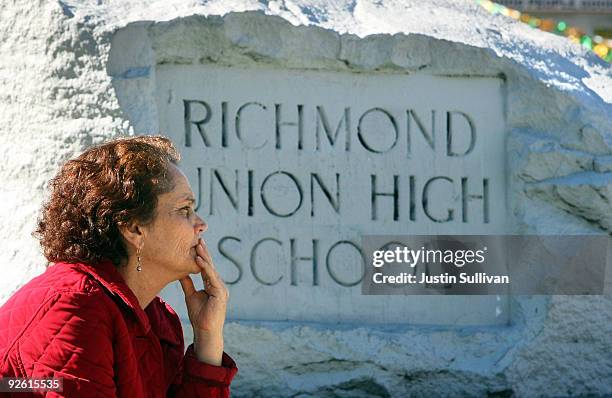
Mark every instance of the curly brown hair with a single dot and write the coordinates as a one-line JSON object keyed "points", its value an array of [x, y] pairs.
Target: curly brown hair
{"points": [[107, 185]]}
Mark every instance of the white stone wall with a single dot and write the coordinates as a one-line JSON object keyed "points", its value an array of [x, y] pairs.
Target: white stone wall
{"points": [[59, 96]]}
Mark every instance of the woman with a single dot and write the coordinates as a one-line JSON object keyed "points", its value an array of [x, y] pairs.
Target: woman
{"points": [[119, 226]]}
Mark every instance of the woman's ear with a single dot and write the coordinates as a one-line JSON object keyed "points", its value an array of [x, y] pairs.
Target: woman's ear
{"points": [[133, 235]]}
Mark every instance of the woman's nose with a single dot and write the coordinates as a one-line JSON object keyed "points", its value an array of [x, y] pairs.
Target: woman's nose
{"points": [[202, 225]]}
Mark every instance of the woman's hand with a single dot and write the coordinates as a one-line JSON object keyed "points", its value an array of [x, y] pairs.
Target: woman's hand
{"points": [[206, 308]]}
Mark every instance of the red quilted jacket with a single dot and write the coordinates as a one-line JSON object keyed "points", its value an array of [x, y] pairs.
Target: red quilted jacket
{"points": [[83, 324]]}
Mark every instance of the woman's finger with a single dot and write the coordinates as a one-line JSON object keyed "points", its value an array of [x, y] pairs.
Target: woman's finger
{"points": [[209, 272], [203, 252], [187, 285], [212, 280]]}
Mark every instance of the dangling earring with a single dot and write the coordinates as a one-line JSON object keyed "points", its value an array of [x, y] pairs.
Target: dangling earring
{"points": [[138, 267]]}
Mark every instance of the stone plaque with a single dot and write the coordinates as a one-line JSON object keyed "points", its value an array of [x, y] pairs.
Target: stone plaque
{"points": [[290, 168]]}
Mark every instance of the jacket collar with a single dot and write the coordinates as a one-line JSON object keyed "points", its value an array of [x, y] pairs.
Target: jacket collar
{"points": [[106, 273]]}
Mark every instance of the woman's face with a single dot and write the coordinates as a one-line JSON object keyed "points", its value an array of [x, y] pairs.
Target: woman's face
{"points": [[169, 244]]}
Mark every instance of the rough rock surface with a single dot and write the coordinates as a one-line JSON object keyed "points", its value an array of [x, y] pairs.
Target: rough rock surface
{"points": [[57, 98]]}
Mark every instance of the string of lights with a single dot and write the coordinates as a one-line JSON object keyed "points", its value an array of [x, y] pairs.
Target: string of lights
{"points": [[600, 46]]}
